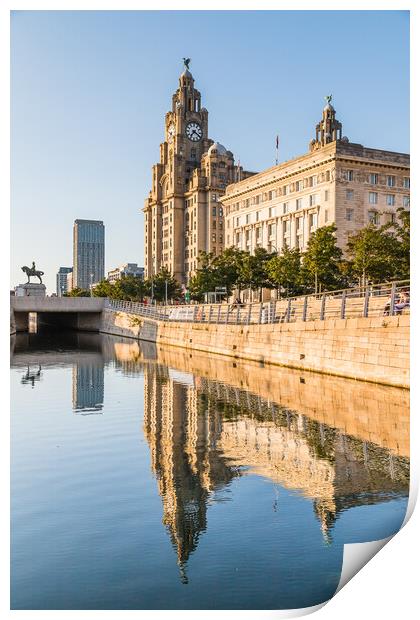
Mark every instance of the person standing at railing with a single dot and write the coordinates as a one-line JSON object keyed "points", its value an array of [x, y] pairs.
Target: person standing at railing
{"points": [[403, 302]]}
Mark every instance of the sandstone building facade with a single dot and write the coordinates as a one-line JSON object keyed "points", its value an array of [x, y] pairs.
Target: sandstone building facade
{"points": [[183, 213], [335, 182]]}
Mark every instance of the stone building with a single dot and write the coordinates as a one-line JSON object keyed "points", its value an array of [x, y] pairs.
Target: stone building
{"points": [[127, 269], [335, 182], [183, 215]]}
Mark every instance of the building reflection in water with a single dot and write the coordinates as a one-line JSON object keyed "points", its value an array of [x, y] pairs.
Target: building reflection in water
{"points": [[182, 436], [208, 421], [203, 433], [88, 387]]}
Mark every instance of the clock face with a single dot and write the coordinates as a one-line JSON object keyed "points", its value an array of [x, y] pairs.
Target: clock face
{"points": [[171, 132], [194, 132]]}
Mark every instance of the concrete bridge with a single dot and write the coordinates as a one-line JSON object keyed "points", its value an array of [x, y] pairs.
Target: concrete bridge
{"points": [[81, 313]]}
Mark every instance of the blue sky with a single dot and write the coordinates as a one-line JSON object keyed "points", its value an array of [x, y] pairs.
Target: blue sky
{"points": [[89, 91]]}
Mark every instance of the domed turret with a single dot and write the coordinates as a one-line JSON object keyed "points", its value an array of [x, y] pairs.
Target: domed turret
{"points": [[217, 149], [186, 74]]}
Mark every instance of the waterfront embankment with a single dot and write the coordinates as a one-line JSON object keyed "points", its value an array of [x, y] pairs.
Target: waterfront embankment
{"points": [[370, 349]]}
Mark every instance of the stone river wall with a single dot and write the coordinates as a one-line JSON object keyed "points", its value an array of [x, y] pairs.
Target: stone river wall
{"points": [[371, 349]]}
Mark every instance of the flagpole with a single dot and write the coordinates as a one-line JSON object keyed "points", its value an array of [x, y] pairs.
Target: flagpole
{"points": [[277, 150]]}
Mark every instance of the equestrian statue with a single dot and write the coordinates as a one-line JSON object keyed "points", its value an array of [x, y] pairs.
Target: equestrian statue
{"points": [[32, 272]]}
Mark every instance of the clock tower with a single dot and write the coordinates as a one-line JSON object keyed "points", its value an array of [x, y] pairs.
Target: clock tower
{"points": [[182, 211]]}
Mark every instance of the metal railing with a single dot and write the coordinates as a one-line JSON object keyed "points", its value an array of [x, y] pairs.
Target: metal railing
{"points": [[366, 301]]}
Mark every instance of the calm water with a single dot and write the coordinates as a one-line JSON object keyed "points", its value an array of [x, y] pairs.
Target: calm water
{"points": [[156, 479]]}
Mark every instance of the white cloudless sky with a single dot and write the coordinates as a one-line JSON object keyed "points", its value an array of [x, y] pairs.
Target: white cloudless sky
{"points": [[89, 91]]}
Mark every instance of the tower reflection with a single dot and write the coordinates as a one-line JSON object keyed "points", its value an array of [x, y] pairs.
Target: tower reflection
{"points": [[203, 433], [182, 436], [88, 386]]}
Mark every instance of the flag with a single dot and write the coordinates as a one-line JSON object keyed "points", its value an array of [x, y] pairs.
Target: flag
{"points": [[277, 142]]}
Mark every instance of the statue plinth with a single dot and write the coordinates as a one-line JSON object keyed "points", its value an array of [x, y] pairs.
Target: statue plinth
{"points": [[31, 290]]}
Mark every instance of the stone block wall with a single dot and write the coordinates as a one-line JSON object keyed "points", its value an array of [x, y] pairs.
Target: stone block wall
{"points": [[372, 349]]}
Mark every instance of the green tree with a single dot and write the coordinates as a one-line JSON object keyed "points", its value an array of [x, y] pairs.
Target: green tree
{"points": [[104, 288], [401, 229], [284, 271], [322, 261], [374, 254], [204, 278], [217, 271], [77, 292], [163, 284], [228, 268], [253, 273], [131, 288]]}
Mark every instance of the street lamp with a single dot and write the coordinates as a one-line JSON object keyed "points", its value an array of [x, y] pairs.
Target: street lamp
{"points": [[166, 292], [91, 284], [277, 252]]}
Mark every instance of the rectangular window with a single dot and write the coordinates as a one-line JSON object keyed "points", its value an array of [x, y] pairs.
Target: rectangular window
{"points": [[348, 175], [285, 207], [237, 221], [299, 186], [220, 238], [373, 178], [390, 180], [406, 201], [214, 211], [373, 217], [298, 204], [406, 182], [213, 197], [247, 218], [326, 216], [257, 233], [313, 220], [326, 195], [373, 198], [220, 211], [349, 194], [390, 200], [257, 216], [314, 181], [349, 215], [313, 199]]}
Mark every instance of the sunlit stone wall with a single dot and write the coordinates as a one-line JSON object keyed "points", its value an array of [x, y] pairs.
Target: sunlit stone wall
{"points": [[373, 349]]}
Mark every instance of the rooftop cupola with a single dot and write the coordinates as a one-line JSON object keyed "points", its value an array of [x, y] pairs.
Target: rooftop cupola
{"points": [[328, 129]]}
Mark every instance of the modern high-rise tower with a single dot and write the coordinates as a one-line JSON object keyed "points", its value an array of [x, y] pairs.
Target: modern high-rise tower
{"points": [[88, 253], [183, 215], [61, 280]]}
